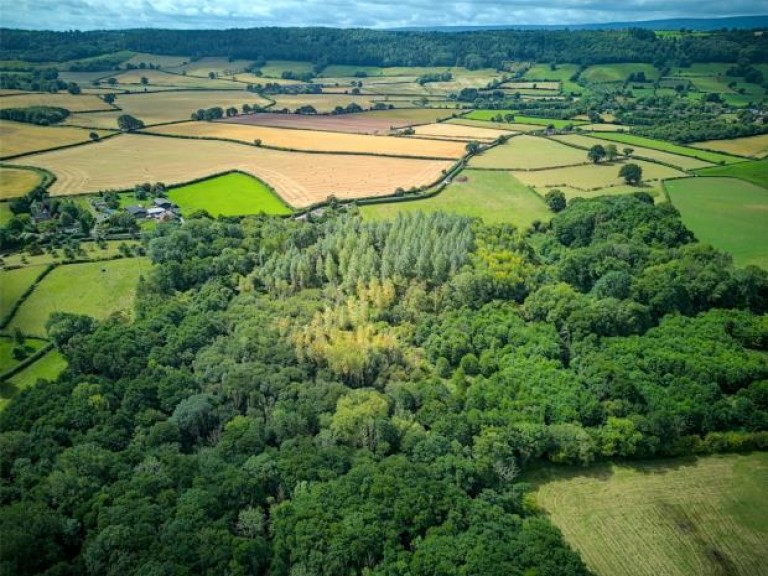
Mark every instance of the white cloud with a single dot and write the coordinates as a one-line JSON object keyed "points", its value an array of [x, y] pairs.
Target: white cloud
{"points": [[90, 14]]}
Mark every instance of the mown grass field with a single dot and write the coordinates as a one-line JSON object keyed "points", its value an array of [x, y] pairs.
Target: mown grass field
{"points": [[519, 119], [730, 214], [685, 517], [755, 172], [495, 197], [593, 176], [529, 152], [228, 195], [47, 368], [562, 73], [21, 138], [633, 140], [15, 182], [300, 178], [13, 283], [654, 189], [682, 162], [316, 140], [97, 289], [751, 146], [131, 80]]}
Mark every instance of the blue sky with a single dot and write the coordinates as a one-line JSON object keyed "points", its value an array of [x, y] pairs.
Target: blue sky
{"points": [[90, 14]]}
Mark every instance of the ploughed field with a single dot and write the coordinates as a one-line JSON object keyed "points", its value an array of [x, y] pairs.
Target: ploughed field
{"points": [[301, 179]]}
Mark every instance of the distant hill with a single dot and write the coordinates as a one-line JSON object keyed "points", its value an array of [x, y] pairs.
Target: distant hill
{"points": [[698, 24]]}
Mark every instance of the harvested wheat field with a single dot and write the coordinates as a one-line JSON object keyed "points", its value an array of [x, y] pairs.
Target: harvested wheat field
{"points": [[459, 132], [593, 176], [21, 138], [132, 79], [751, 146], [79, 103], [164, 107], [323, 103], [528, 152], [682, 162], [377, 122], [507, 127], [300, 179], [317, 141], [15, 182]]}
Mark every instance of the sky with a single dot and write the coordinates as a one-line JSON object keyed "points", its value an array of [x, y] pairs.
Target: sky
{"points": [[121, 14]]}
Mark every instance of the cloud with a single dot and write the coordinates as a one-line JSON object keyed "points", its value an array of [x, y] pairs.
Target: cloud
{"points": [[108, 14]]}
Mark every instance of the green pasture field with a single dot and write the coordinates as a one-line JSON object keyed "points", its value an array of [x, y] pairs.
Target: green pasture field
{"points": [[682, 517], [275, 68], [702, 69], [13, 283], [495, 125], [47, 368], [97, 289], [494, 196], [527, 152], [654, 189], [683, 162], [348, 71], [755, 172], [92, 252], [232, 194], [605, 73], [7, 361], [730, 214], [632, 139], [488, 115], [593, 177], [563, 73], [749, 146], [5, 213]]}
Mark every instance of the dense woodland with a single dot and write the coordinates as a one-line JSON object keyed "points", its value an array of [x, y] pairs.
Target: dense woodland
{"points": [[347, 397], [383, 48]]}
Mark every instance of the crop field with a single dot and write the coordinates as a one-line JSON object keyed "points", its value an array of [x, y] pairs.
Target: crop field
{"points": [[156, 60], [755, 172], [593, 176], [750, 146], [460, 132], [494, 125], [323, 103], [527, 152], [362, 123], [21, 138], [491, 114], [157, 108], [633, 140], [685, 517], [603, 73], [219, 66], [97, 289], [730, 214], [299, 178], [132, 79], [496, 197], [682, 162], [79, 103], [46, 368], [232, 194], [15, 182], [13, 283], [316, 140]]}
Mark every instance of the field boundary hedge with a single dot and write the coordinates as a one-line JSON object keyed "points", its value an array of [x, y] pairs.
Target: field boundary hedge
{"points": [[27, 362], [5, 320]]}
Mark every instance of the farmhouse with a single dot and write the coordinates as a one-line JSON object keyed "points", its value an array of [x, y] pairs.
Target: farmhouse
{"points": [[137, 211]]}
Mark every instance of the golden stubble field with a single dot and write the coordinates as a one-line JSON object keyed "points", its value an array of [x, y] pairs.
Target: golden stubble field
{"points": [[529, 152], [73, 103], [460, 132], [301, 179], [15, 183], [593, 176], [20, 138], [751, 146], [317, 140]]}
